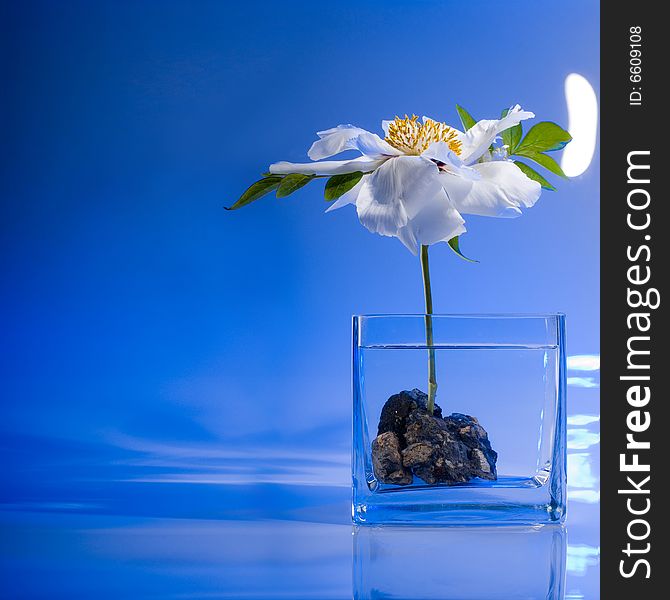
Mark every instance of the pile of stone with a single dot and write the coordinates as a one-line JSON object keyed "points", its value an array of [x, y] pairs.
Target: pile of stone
{"points": [[410, 442]]}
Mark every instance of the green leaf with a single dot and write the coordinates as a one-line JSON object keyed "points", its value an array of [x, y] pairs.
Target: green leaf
{"points": [[455, 246], [544, 160], [341, 184], [534, 175], [512, 136], [466, 118], [256, 191], [291, 183], [544, 137]]}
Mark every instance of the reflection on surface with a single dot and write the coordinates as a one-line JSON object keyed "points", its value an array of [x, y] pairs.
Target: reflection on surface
{"points": [[584, 362], [583, 433], [101, 557], [583, 484], [580, 438], [581, 557], [460, 563], [584, 382]]}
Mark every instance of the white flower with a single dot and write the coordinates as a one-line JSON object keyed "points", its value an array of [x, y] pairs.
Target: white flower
{"points": [[423, 175]]}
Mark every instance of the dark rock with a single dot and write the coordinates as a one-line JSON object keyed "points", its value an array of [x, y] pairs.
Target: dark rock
{"points": [[398, 407], [448, 461], [453, 449], [387, 460], [474, 436]]}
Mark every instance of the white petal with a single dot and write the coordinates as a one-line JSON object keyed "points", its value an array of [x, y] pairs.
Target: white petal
{"points": [[395, 192], [480, 136], [333, 141], [407, 237], [501, 191], [385, 126], [438, 221], [327, 167], [348, 197], [456, 187], [441, 152], [372, 145]]}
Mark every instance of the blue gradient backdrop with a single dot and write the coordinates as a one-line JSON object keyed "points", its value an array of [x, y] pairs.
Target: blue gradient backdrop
{"points": [[141, 319]]}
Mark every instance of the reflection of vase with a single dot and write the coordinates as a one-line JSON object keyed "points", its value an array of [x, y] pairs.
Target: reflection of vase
{"points": [[506, 371], [459, 563]]}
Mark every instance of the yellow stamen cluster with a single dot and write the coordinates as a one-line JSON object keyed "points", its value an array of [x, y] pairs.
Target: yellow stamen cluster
{"points": [[412, 137]]}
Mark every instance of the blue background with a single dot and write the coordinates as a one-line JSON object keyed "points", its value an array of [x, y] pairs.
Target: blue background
{"points": [[162, 357]]}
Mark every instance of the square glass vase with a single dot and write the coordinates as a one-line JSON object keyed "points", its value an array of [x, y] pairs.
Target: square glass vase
{"points": [[505, 371]]}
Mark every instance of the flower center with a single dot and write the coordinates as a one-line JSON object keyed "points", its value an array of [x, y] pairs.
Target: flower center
{"points": [[412, 137]]}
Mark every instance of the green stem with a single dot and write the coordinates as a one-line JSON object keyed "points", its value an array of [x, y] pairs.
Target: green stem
{"points": [[428, 295]]}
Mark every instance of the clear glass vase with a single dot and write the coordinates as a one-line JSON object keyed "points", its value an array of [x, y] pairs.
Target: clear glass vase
{"points": [[497, 452]]}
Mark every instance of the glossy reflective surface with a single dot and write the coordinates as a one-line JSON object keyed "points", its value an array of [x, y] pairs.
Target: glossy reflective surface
{"points": [[147, 520], [62, 551]]}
